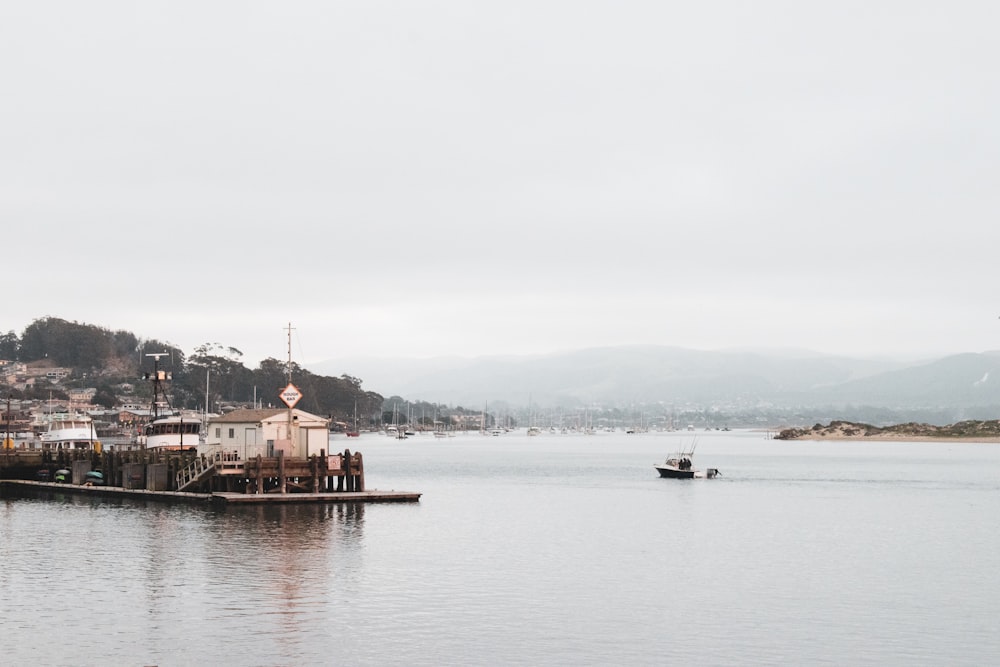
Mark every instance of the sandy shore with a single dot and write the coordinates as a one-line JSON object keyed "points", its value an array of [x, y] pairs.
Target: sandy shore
{"points": [[860, 432], [884, 437]]}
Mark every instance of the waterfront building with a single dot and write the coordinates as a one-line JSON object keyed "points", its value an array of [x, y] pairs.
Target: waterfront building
{"points": [[266, 432]]}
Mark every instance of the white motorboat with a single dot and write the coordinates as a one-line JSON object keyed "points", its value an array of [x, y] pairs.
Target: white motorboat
{"points": [[681, 466]]}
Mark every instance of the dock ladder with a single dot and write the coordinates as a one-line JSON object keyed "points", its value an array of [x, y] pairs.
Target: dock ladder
{"points": [[198, 470]]}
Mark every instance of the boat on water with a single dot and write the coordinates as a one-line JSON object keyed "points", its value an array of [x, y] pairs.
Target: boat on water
{"points": [[172, 432], [68, 430], [354, 433], [681, 466], [168, 430], [678, 466]]}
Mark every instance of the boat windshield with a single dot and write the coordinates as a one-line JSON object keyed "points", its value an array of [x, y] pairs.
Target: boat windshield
{"points": [[173, 428]]}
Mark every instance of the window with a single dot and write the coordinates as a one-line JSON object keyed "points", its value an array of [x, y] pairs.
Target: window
{"points": [[232, 433]]}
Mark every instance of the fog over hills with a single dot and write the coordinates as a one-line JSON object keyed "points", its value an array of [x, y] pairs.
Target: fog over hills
{"points": [[670, 375]]}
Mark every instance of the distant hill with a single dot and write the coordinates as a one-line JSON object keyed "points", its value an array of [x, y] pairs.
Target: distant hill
{"points": [[961, 380], [671, 375]]}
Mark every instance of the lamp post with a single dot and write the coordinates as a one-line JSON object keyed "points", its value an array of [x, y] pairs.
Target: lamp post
{"points": [[7, 442]]}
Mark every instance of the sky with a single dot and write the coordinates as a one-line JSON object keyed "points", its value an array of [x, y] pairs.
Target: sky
{"points": [[440, 178]]}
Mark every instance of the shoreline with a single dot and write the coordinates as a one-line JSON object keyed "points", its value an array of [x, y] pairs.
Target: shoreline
{"points": [[985, 432], [897, 437]]}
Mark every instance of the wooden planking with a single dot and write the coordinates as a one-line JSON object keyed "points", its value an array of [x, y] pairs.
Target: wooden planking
{"points": [[110, 491], [224, 497], [373, 496], [333, 478]]}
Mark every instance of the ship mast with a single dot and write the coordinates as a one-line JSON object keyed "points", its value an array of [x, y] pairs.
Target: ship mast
{"points": [[157, 376]]}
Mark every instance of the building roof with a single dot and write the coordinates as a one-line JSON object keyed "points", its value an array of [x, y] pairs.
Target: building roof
{"points": [[250, 416], [245, 415]]}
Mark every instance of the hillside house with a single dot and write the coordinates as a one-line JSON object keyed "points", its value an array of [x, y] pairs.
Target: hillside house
{"points": [[54, 375], [81, 396]]}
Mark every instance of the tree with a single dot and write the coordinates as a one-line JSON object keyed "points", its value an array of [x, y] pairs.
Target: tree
{"points": [[271, 377], [217, 370], [104, 397], [44, 392], [125, 345], [9, 346], [119, 356]]}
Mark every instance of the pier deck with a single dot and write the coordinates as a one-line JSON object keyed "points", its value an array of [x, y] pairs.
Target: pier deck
{"points": [[220, 498], [373, 496]]}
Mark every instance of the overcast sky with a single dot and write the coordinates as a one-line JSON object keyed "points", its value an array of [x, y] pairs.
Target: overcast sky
{"points": [[417, 179]]}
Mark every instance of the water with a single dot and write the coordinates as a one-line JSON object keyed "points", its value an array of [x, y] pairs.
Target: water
{"points": [[551, 550]]}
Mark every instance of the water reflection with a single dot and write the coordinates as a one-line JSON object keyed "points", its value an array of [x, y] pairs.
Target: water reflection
{"points": [[532, 552], [170, 571], [281, 563]]}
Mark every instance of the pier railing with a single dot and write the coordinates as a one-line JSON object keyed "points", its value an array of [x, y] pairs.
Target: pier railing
{"points": [[198, 469]]}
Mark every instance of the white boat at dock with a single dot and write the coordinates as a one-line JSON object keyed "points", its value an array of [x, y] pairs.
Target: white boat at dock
{"points": [[68, 430], [168, 430], [172, 432]]}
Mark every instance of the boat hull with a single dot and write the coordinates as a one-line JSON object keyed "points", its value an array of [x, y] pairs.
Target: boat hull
{"points": [[675, 473]]}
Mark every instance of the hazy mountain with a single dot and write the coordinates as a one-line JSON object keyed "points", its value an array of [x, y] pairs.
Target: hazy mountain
{"points": [[962, 380], [670, 375]]}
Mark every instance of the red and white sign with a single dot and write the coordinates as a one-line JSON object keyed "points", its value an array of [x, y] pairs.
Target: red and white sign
{"points": [[291, 395]]}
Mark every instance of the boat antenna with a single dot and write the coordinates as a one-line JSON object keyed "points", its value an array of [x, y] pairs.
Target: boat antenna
{"points": [[157, 376]]}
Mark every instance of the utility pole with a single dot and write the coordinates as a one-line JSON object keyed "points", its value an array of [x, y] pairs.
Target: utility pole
{"points": [[288, 371], [290, 394], [7, 442]]}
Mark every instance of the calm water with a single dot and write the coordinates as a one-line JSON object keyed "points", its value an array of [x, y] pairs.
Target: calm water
{"points": [[553, 550]]}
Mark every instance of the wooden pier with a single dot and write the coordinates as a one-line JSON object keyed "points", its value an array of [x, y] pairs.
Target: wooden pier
{"points": [[215, 498], [186, 476]]}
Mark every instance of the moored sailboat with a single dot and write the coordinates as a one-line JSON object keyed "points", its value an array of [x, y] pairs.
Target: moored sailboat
{"points": [[354, 432]]}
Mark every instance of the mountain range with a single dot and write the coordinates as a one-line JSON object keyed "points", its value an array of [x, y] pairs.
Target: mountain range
{"points": [[678, 376]]}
